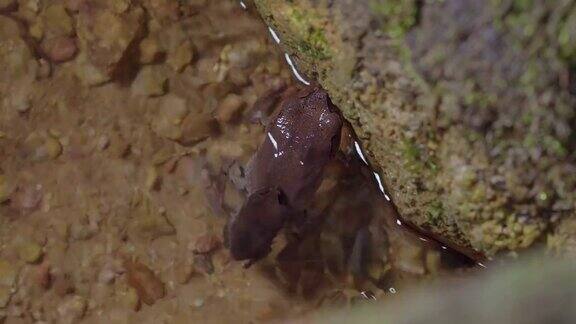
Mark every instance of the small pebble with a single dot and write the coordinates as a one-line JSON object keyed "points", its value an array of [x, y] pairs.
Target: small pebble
{"points": [[150, 81], [196, 127], [110, 270], [198, 302], [40, 148], [152, 225], [181, 56], [27, 198], [44, 69], [103, 142], [149, 50], [19, 100], [72, 309], [152, 179], [140, 277], [30, 251], [60, 49], [230, 108], [131, 299], [57, 20], [88, 74], [172, 111], [36, 30]]}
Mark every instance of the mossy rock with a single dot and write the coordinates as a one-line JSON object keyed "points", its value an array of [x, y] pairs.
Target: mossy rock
{"points": [[466, 107]]}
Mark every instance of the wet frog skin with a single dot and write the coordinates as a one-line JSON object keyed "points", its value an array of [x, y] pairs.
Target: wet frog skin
{"points": [[299, 142], [286, 171], [251, 232], [301, 139]]}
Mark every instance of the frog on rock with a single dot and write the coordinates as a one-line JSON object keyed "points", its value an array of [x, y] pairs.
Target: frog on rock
{"points": [[286, 171]]}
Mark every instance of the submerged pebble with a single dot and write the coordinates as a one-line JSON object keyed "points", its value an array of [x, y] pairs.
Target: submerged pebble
{"points": [[72, 309], [38, 147], [29, 251], [59, 49], [230, 108], [144, 281], [181, 56], [150, 81]]}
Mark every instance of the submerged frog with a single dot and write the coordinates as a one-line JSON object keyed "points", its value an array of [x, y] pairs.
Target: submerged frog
{"points": [[286, 171], [302, 138]]}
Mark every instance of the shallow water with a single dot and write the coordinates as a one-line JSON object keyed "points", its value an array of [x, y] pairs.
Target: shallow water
{"points": [[114, 193]]}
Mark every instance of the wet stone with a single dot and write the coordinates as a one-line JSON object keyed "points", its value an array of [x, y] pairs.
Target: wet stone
{"points": [[27, 198], [60, 49], [38, 148], [88, 73], [197, 127], [72, 309], [57, 21], [110, 270], [230, 108], [172, 111], [105, 35], [29, 251], [140, 277], [130, 298], [149, 50], [181, 56], [150, 81], [103, 142], [151, 225], [20, 100]]}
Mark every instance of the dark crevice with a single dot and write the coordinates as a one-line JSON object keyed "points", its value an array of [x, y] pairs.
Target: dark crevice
{"points": [[418, 12]]}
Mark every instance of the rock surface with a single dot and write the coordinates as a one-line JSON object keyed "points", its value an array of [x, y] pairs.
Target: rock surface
{"points": [[473, 134]]}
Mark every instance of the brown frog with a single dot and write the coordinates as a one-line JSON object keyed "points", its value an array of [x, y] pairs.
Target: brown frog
{"points": [[286, 171], [302, 137]]}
